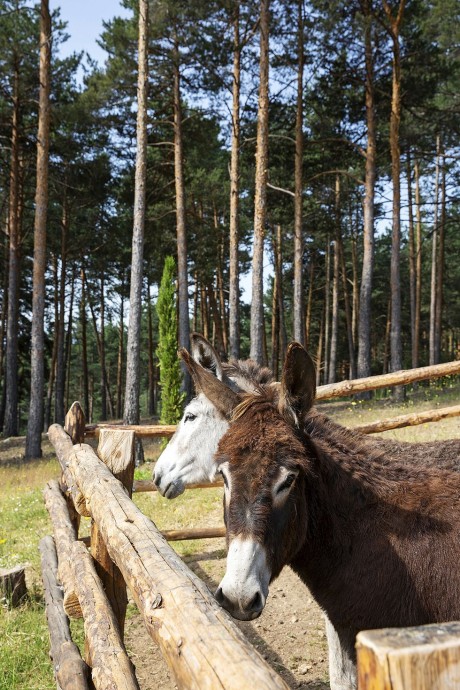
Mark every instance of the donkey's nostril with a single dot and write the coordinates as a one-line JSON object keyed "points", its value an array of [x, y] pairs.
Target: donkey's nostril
{"points": [[219, 595], [157, 479], [256, 602]]}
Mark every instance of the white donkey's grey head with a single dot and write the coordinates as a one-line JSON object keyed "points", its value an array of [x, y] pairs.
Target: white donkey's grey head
{"points": [[189, 456]]}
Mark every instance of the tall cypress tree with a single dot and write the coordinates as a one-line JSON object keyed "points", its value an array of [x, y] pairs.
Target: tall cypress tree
{"points": [[170, 370]]}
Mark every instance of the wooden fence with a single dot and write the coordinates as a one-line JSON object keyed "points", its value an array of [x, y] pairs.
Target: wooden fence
{"points": [[201, 645]]}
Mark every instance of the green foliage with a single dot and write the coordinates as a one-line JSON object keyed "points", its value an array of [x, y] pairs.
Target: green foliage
{"points": [[170, 371]]}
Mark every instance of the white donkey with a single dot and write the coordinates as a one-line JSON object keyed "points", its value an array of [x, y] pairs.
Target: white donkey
{"points": [[189, 456]]}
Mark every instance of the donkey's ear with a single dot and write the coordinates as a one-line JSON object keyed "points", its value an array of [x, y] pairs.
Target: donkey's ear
{"points": [[203, 352], [206, 382], [298, 384]]}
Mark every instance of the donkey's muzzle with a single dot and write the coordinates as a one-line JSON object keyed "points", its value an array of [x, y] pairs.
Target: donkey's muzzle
{"points": [[244, 608]]}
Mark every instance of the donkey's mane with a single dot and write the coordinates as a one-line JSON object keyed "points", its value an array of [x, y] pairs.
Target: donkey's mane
{"points": [[361, 458], [248, 373]]}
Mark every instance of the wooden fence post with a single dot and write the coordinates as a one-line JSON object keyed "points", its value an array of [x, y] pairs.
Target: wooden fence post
{"points": [[116, 451], [74, 425], [422, 658]]}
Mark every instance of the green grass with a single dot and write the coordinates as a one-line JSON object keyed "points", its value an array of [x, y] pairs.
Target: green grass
{"points": [[24, 644]]}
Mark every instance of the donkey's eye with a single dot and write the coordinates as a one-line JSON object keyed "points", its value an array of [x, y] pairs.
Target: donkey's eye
{"points": [[189, 417], [288, 482], [224, 478]]}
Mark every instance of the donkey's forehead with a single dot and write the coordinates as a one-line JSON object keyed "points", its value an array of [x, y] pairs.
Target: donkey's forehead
{"points": [[201, 405]]}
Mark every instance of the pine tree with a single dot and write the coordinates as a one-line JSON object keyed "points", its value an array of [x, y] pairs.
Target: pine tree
{"points": [[170, 371]]}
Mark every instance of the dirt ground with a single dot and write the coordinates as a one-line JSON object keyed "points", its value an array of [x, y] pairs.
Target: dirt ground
{"points": [[289, 634]]}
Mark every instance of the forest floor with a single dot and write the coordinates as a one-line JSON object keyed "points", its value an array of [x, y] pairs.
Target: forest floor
{"points": [[289, 634]]}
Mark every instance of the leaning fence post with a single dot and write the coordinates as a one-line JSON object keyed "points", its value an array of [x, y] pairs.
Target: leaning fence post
{"points": [[116, 451], [74, 426]]}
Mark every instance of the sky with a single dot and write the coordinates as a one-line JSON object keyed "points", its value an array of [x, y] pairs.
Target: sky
{"points": [[84, 23]]}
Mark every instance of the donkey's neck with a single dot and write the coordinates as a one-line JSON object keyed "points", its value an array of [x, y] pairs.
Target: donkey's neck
{"points": [[364, 513]]}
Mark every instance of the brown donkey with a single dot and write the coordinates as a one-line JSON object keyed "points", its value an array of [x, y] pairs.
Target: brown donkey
{"points": [[376, 542]]}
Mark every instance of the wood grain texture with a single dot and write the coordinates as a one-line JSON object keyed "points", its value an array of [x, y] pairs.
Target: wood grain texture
{"points": [[13, 585], [150, 430], [420, 658], [63, 446], [396, 378], [110, 664], [116, 451], [64, 536], [70, 670], [140, 485], [405, 420], [202, 646]]}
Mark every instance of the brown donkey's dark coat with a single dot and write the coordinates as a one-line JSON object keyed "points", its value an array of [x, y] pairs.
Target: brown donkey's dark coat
{"points": [[376, 541]]}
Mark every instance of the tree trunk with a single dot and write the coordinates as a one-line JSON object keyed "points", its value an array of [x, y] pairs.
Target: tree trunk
{"points": [[411, 258], [355, 271], [131, 408], [395, 275], [10, 427], [260, 200], [152, 368], [68, 344], [309, 301], [52, 372], [59, 408], [234, 295], [219, 343], [84, 348], [365, 297], [121, 348], [348, 315], [280, 298], [37, 374], [101, 340], [327, 301], [220, 285], [418, 265], [299, 325], [434, 258], [440, 267], [275, 329], [335, 289], [3, 327], [182, 269], [106, 396]]}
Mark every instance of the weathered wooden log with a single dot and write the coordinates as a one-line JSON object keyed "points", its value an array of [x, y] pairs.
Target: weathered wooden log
{"points": [[396, 378], [141, 485], [116, 451], [110, 664], [404, 420], [194, 533], [70, 670], [420, 658], [13, 586], [74, 426], [201, 645], [150, 430], [63, 446], [64, 536]]}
